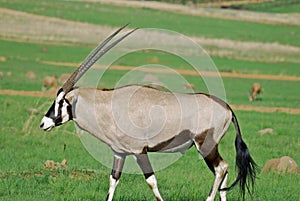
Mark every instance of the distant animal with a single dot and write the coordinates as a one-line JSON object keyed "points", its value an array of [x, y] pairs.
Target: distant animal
{"points": [[49, 82], [200, 120], [255, 89]]}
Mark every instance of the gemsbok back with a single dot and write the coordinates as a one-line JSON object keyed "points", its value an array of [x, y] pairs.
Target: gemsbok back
{"points": [[135, 119]]}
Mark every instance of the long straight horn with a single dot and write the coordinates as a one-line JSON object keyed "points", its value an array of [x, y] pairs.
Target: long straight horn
{"points": [[92, 58]]}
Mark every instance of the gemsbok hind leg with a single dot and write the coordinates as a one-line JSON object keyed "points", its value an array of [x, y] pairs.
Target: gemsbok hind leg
{"points": [[219, 168], [115, 175], [144, 163]]}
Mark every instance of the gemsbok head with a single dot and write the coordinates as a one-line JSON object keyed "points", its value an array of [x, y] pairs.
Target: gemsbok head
{"points": [[135, 120]]}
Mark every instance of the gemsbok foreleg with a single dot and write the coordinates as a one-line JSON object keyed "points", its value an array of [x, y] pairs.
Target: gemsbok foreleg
{"points": [[144, 163], [115, 175]]}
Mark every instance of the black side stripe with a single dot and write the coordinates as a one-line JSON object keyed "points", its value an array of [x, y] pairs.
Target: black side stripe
{"points": [[69, 110]]}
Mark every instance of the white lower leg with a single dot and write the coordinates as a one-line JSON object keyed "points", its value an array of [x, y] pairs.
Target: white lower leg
{"points": [[153, 185], [223, 185], [112, 187], [220, 171]]}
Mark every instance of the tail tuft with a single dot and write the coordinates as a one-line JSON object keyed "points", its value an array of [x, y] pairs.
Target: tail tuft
{"points": [[246, 167], [245, 164]]}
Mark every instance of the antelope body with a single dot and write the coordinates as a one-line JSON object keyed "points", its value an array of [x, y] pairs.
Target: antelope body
{"points": [[134, 120], [255, 89], [109, 121]]}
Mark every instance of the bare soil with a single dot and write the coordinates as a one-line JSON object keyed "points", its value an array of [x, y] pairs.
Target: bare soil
{"points": [[47, 94], [189, 72]]}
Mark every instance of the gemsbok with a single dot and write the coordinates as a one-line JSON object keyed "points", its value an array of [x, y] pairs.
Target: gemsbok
{"points": [[135, 119]]}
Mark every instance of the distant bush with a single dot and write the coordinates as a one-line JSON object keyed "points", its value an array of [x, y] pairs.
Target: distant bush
{"points": [[274, 3], [269, 4]]}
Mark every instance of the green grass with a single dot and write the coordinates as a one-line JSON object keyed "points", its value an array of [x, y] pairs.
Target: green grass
{"points": [[248, 67], [116, 16], [275, 92]]}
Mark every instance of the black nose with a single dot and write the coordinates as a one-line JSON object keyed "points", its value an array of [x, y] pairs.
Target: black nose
{"points": [[42, 125]]}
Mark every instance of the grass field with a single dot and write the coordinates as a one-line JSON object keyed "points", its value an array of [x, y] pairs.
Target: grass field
{"points": [[114, 16], [24, 147]]}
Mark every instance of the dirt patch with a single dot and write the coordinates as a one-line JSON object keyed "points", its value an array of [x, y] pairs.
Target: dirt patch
{"points": [[229, 3], [55, 173], [47, 94], [259, 17], [187, 72], [266, 109], [234, 107], [14, 26]]}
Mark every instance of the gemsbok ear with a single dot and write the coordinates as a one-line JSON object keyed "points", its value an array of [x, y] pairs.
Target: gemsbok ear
{"points": [[69, 96]]}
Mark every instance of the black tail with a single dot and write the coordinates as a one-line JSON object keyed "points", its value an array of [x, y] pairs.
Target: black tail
{"points": [[244, 162]]}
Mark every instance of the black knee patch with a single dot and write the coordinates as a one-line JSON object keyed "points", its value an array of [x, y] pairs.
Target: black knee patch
{"points": [[147, 175], [116, 174]]}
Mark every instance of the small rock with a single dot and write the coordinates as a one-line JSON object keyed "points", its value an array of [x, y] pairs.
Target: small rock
{"points": [[271, 165], [50, 164], [284, 164], [30, 75], [287, 164], [64, 163], [3, 59], [189, 86], [266, 131]]}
